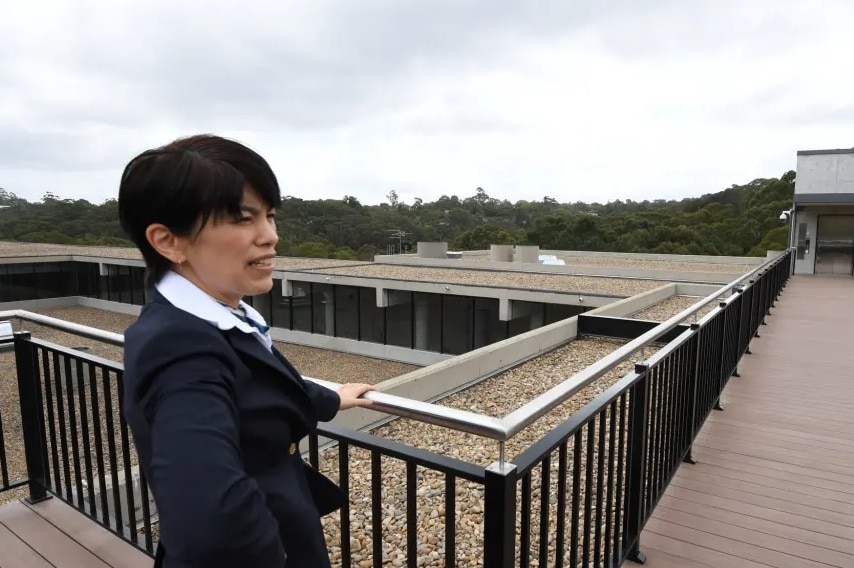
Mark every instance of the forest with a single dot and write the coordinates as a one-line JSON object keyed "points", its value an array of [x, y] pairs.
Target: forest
{"points": [[741, 220]]}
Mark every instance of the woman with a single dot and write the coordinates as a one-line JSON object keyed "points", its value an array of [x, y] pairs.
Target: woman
{"points": [[216, 412]]}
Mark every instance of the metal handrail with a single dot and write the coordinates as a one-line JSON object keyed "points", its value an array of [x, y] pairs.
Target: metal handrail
{"points": [[531, 411], [479, 424]]}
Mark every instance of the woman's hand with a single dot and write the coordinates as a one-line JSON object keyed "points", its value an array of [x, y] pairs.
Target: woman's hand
{"points": [[350, 393]]}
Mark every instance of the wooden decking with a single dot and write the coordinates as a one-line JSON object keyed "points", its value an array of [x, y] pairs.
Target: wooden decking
{"points": [[52, 533], [774, 479]]}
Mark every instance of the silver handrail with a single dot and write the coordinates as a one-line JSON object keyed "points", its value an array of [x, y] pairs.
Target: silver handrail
{"points": [[500, 429], [531, 411]]}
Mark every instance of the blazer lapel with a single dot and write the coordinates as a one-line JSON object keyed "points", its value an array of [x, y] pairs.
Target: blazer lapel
{"points": [[249, 345]]}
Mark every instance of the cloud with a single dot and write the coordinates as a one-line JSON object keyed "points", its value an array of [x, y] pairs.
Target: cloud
{"points": [[581, 101]]}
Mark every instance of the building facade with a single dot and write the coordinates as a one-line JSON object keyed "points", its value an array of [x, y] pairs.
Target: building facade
{"points": [[822, 229]]}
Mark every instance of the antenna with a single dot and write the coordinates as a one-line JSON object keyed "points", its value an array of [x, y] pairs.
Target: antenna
{"points": [[398, 234]]}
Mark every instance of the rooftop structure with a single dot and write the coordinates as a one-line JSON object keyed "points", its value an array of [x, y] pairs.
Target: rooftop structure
{"points": [[822, 218], [526, 410]]}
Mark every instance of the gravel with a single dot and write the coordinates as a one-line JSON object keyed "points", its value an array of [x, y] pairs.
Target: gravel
{"points": [[525, 280], [628, 262], [495, 396], [663, 311]]}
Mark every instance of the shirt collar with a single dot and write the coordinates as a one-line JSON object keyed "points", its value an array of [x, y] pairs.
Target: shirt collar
{"points": [[186, 296]]}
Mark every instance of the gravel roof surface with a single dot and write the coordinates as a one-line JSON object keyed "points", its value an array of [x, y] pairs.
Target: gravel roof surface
{"points": [[630, 262], [14, 249], [663, 311], [551, 282], [496, 397]]}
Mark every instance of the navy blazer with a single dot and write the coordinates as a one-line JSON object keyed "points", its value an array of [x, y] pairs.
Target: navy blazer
{"points": [[216, 419]]}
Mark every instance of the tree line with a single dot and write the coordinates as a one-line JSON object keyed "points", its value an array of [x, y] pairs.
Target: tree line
{"points": [[741, 220]]}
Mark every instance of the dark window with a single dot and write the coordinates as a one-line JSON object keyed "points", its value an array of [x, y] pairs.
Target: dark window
{"points": [[371, 317], [457, 324], [557, 312], [280, 307], [124, 285], [488, 328], [526, 316], [46, 278], [262, 304], [428, 321], [301, 306], [20, 282], [87, 279], [5, 288], [137, 285], [347, 311], [398, 317], [323, 308]]}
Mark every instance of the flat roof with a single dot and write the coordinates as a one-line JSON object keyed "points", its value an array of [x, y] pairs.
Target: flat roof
{"points": [[499, 279], [621, 275], [627, 261], [9, 249], [829, 151]]}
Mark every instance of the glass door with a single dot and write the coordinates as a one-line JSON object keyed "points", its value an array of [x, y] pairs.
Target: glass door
{"points": [[834, 251]]}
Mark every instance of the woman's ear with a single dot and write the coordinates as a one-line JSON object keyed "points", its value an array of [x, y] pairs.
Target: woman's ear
{"points": [[166, 243]]}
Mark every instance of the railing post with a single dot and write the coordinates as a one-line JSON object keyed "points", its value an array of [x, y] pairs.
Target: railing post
{"points": [[695, 384], [35, 442], [499, 515], [638, 420]]}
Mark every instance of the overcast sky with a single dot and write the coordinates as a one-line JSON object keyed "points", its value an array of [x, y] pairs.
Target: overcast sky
{"points": [[579, 100]]}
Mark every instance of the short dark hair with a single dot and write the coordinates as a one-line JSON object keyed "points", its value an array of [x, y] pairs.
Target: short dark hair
{"points": [[183, 184]]}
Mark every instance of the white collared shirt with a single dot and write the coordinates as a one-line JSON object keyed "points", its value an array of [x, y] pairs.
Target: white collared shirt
{"points": [[186, 296]]}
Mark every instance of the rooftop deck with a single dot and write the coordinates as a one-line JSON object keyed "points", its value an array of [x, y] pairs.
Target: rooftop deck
{"points": [[52, 533], [773, 484]]}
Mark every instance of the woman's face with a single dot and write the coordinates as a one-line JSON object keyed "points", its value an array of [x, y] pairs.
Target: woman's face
{"points": [[233, 258]]}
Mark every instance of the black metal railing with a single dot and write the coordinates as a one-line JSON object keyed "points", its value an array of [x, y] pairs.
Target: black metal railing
{"points": [[579, 496], [617, 455]]}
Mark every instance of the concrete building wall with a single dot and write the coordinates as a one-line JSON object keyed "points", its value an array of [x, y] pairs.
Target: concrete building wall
{"points": [[823, 173]]}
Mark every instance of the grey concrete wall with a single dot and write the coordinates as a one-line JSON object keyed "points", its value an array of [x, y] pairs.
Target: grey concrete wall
{"points": [[501, 253], [32, 305], [529, 254], [366, 348], [700, 290], [109, 306], [825, 173], [433, 250]]}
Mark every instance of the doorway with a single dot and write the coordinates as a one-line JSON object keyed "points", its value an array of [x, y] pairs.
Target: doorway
{"points": [[834, 247]]}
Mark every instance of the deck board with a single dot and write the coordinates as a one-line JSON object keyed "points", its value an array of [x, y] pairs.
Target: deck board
{"points": [[53, 534], [773, 485]]}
